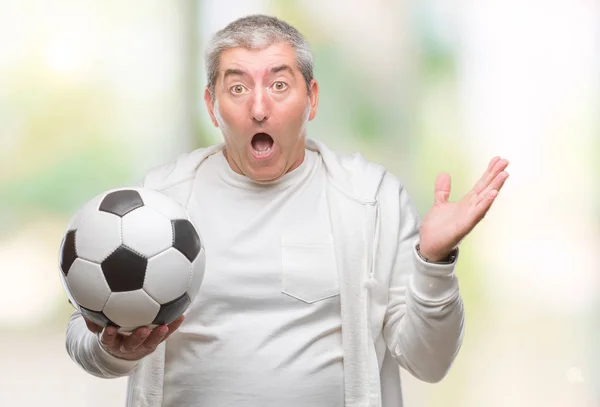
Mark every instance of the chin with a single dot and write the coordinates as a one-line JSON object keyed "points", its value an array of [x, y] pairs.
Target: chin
{"points": [[266, 174]]}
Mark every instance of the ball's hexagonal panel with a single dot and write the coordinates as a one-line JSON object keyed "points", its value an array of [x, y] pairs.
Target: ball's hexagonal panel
{"points": [[198, 268], [98, 236], [97, 317], [187, 240], [90, 207], [147, 232], [67, 252], [168, 276], [131, 309], [87, 284], [121, 202], [163, 204], [124, 270], [170, 311]]}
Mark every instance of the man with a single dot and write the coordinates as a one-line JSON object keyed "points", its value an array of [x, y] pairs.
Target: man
{"points": [[320, 279]]}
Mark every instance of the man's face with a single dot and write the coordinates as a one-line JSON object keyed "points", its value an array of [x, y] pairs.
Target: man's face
{"points": [[262, 106]]}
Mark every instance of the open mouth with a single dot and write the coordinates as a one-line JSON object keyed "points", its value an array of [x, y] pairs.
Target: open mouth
{"points": [[262, 145]]}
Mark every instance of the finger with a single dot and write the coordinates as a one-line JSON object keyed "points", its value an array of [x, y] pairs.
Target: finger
{"points": [[95, 328], [484, 205], [133, 341], [495, 167], [495, 185], [442, 188], [109, 337], [173, 326], [493, 162], [156, 336]]}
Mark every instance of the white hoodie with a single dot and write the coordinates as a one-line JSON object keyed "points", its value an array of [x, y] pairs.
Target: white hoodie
{"points": [[396, 309]]}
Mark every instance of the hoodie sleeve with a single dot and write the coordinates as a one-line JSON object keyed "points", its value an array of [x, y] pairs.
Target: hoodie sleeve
{"points": [[84, 348], [424, 321]]}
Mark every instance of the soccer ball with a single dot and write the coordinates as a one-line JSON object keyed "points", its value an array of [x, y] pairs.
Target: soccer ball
{"points": [[131, 257]]}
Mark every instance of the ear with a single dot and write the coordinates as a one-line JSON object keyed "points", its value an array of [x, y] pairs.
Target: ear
{"points": [[210, 106], [314, 99]]}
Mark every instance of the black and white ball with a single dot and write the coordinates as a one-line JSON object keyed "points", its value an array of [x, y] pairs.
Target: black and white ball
{"points": [[131, 257]]}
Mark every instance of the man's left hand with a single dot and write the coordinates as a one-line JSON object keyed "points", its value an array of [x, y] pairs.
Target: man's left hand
{"points": [[447, 223]]}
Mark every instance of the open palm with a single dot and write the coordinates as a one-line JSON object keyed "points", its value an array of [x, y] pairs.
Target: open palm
{"points": [[447, 223]]}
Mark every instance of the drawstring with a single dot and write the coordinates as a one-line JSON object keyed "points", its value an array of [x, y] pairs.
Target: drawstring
{"points": [[371, 282]]}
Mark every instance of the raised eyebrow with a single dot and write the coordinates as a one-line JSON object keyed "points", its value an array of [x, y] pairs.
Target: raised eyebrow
{"points": [[281, 68], [233, 72]]}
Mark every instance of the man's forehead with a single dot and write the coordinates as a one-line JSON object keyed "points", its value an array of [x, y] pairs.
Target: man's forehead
{"points": [[261, 60]]}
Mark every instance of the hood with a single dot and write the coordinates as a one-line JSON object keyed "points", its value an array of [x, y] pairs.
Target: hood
{"points": [[352, 174]]}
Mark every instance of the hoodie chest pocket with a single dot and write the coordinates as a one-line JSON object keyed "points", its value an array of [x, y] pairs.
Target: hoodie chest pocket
{"points": [[309, 271]]}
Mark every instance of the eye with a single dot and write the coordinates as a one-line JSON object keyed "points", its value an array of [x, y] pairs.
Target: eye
{"points": [[237, 89], [280, 85]]}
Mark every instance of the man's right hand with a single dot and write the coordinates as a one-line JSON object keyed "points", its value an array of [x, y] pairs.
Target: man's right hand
{"points": [[138, 344]]}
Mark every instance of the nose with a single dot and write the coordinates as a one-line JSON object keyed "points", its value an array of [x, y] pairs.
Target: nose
{"points": [[259, 108]]}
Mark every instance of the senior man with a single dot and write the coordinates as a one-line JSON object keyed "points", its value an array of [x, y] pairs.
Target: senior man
{"points": [[321, 280]]}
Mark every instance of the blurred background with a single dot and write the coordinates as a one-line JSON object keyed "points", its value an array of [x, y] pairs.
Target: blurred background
{"points": [[95, 93]]}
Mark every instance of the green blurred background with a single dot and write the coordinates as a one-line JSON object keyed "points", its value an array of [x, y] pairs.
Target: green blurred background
{"points": [[95, 93]]}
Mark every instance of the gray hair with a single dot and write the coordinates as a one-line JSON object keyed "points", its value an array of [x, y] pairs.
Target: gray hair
{"points": [[257, 32]]}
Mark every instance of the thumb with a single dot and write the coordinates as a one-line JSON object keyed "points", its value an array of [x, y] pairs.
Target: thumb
{"points": [[442, 188]]}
